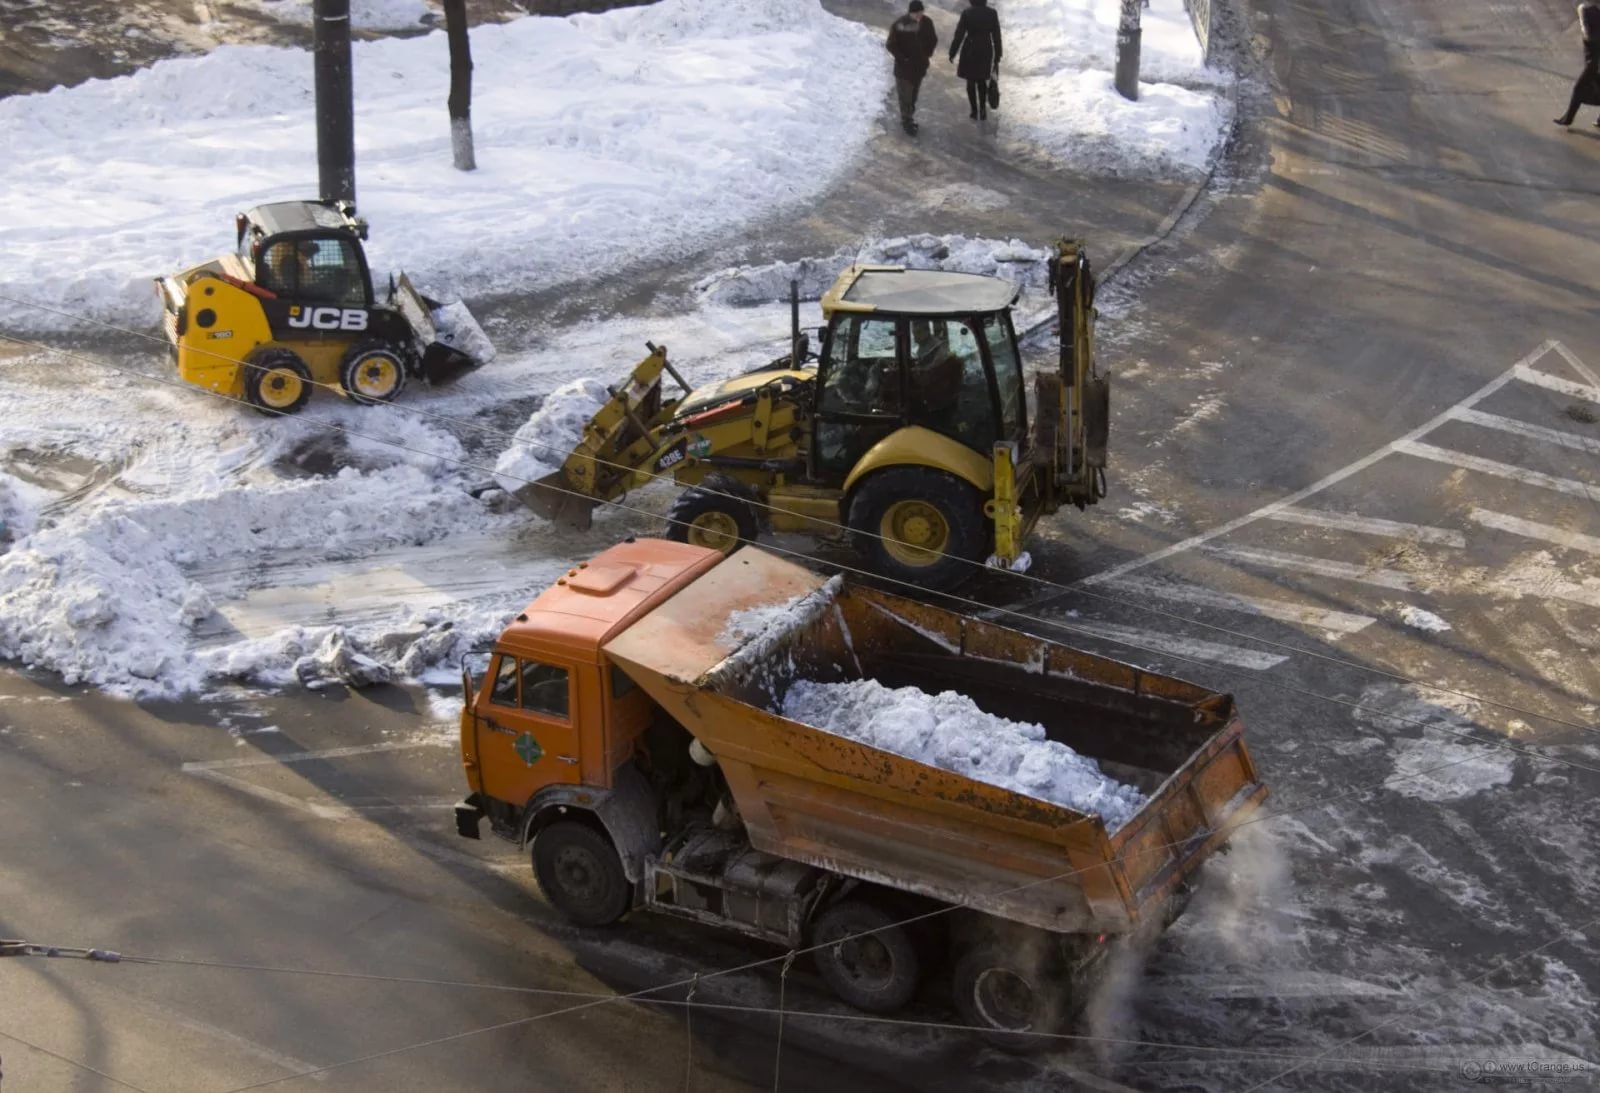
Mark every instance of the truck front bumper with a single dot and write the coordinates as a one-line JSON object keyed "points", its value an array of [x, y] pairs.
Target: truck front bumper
{"points": [[468, 813]]}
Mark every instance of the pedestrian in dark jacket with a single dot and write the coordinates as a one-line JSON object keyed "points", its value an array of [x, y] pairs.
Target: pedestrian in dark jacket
{"points": [[978, 41], [912, 41], [1586, 89]]}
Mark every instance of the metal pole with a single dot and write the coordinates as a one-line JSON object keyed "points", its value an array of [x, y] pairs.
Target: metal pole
{"points": [[336, 128], [1128, 34]]}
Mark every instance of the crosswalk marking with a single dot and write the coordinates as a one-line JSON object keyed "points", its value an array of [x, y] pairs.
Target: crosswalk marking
{"points": [[1500, 470], [1135, 639], [1338, 622], [1523, 428], [1345, 521], [1527, 374], [1322, 567], [1533, 530]]}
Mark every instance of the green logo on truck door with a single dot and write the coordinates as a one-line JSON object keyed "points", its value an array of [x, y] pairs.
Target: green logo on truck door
{"points": [[528, 748]]}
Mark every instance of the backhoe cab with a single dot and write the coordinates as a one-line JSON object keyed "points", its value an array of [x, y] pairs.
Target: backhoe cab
{"points": [[293, 307], [909, 428]]}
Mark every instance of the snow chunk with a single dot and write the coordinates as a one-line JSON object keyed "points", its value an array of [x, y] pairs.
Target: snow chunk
{"points": [[1423, 620], [949, 731], [338, 660], [545, 440]]}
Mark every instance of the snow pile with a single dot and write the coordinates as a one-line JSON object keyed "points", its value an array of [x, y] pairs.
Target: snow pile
{"points": [[19, 508], [1013, 260], [602, 141], [949, 731], [544, 441], [364, 14], [1058, 99]]}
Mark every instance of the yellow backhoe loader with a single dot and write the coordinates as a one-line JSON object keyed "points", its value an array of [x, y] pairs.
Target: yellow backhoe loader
{"points": [[909, 428], [293, 307]]}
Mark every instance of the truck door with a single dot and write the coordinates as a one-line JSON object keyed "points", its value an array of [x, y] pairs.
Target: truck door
{"points": [[529, 736]]}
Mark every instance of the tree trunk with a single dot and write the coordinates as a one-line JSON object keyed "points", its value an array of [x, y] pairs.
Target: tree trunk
{"points": [[455, 21]]}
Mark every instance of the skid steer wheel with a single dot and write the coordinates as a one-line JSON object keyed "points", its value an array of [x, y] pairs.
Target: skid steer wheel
{"points": [[999, 990], [580, 874], [876, 971], [276, 382], [719, 516], [920, 525], [372, 373]]}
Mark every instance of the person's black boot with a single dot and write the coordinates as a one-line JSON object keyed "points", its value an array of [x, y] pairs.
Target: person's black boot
{"points": [[1567, 121]]}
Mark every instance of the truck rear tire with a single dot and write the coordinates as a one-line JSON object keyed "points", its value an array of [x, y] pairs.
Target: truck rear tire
{"points": [[580, 874], [1010, 998], [869, 961], [276, 382], [920, 526], [716, 516]]}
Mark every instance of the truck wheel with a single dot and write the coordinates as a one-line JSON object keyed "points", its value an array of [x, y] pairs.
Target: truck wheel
{"points": [[876, 971], [712, 518], [1009, 998], [276, 382], [372, 373], [580, 874], [920, 525]]}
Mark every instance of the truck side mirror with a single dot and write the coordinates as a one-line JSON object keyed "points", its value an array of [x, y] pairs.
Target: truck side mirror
{"points": [[468, 691]]}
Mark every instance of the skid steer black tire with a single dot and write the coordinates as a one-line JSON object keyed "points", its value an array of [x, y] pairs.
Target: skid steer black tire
{"points": [[372, 373], [920, 525], [276, 382], [720, 515]]}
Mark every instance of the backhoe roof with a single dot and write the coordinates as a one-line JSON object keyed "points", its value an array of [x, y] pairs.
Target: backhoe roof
{"points": [[926, 292], [282, 217], [599, 598]]}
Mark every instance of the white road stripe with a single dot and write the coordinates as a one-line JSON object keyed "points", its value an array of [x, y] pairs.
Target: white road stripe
{"points": [[1555, 383], [1283, 610], [1370, 525], [1589, 375], [1147, 640], [1502, 470], [308, 756], [1533, 530], [1514, 372], [1322, 567], [1535, 432]]}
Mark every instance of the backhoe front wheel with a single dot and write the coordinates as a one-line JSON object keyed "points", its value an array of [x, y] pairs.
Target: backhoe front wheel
{"points": [[717, 515], [372, 373], [920, 525], [276, 382]]}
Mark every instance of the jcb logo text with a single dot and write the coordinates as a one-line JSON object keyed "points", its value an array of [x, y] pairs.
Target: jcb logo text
{"points": [[327, 318]]}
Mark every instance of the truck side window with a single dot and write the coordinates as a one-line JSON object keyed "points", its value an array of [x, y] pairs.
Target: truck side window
{"points": [[505, 682], [544, 689]]}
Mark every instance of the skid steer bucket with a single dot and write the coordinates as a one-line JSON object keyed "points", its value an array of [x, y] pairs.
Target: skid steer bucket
{"points": [[448, 340]]}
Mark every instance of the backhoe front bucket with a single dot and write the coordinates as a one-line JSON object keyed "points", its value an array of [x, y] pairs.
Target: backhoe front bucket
{"points": [[557, 502]]}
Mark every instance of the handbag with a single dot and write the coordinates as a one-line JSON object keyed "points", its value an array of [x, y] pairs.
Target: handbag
{"points": [[994, 93]]}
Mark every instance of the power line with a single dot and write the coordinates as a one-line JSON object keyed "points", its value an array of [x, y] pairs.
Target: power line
{"points": [[73, 1062], [1063, 589]]}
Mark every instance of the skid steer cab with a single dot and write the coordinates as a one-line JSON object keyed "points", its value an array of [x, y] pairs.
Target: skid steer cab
{"points": [[293, 307], [909, 432]]}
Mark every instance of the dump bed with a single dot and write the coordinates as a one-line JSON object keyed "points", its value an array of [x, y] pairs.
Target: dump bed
{"points": [[829, 801]]}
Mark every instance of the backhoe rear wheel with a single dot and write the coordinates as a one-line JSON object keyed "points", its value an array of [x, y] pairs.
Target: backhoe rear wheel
{"points": [[920, 525], [718, 515], [372, 373], [276, 382]]}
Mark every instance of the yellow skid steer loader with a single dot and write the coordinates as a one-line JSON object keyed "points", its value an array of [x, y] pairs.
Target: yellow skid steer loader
{"points": [[909, 428], [293, 307]]}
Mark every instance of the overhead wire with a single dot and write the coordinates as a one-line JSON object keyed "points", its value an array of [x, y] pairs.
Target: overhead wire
{"points": [[77, 1063], [1063, 590]]}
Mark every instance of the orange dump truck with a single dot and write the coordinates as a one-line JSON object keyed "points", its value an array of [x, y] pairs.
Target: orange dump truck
{"points": [[625, 729]]}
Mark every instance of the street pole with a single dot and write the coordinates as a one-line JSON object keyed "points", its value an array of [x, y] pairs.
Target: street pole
{"points": [[336, 127], [1128, 51]]}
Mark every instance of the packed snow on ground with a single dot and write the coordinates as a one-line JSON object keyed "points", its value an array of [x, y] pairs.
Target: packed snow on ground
{"points": [[1435, 757], [364, 14], [949, 731], [1013, 260], [545, 440], [1419, 619], [601, 140], [1058, 99]]}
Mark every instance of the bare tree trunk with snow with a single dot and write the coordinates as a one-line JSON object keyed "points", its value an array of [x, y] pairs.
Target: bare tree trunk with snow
{"points": [[455, 21]]}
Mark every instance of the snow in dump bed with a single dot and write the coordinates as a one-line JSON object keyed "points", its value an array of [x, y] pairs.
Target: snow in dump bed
{"points": [[544, 441], [601, 140], [949, 731]]}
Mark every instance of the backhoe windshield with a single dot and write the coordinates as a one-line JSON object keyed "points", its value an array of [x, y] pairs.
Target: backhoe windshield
{"points": [[949, 390]]}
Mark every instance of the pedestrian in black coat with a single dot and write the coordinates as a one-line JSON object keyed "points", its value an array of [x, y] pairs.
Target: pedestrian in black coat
{"points": [[1586, 89], [978, 41], [912, 41]]}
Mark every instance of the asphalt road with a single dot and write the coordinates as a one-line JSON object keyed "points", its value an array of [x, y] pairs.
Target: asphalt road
{"points": [[1361, 377]]}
